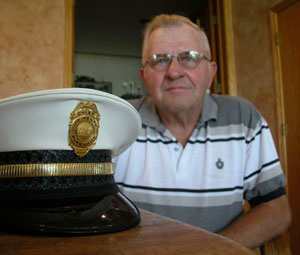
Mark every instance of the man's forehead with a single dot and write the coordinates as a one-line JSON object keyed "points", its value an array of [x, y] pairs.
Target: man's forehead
{"points": [[172, 29], [174, 37]]}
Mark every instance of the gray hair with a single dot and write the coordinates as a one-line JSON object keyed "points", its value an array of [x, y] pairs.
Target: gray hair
{"points": [[171, 20]]}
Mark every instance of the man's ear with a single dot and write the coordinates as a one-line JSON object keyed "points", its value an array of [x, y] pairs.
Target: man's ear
{"points": [[142, 74], [213, 69]]}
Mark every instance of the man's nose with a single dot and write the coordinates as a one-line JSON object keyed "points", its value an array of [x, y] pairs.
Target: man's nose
{"points": [[174, 70]]}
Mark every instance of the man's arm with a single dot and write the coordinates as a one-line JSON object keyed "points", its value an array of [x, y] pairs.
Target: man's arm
{"points": [[260, 224]]}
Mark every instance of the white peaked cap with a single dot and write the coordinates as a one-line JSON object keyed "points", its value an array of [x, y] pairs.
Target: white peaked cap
{"points": [[40, 120]]}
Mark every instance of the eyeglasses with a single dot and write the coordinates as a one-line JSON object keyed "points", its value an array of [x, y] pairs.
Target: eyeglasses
{"points": [[187, 60]]}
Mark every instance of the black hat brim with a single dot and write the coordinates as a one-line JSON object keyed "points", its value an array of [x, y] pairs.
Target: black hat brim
{"points": [[98, 215]]}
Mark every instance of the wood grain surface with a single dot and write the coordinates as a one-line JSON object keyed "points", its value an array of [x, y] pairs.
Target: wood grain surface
{"points": [[154, 235]]}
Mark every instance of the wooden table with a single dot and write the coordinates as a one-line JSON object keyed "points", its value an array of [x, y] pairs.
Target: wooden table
{"points": [[156, 235]]}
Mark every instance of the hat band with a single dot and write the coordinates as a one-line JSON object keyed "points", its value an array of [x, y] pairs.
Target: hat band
{"points": [[56, 169]]}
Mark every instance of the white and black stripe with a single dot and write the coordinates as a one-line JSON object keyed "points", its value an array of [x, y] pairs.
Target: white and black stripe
{"points": [[159, 175]]}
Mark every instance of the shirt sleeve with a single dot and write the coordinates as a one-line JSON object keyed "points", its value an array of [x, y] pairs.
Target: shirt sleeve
{"points": [[263, 178]]}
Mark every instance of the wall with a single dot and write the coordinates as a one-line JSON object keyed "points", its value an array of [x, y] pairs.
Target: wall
{"points": [[31, 45], [32, 50], [254, 57], [115, 69]]}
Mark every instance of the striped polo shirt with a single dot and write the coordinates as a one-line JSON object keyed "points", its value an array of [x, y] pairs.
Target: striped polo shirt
{"points": [[230, 157]]}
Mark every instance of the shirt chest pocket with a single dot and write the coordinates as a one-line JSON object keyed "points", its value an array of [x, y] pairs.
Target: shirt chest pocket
{"points": [[217, 164]]}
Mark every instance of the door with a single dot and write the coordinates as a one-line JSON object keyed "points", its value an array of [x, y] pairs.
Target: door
{"points": [[288, 44]]}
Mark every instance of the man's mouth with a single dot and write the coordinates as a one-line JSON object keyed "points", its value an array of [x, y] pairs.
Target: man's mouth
{"points": [[177, 88]]}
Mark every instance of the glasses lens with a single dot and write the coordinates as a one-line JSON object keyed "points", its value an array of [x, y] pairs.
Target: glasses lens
{"points": [[160, 62], [189, 59]]}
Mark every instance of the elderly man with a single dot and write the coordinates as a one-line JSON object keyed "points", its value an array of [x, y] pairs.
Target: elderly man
{"points": [[199, 156]]}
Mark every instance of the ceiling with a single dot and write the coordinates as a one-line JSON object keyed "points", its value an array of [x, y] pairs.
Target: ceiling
{"points": [[114, 27]]}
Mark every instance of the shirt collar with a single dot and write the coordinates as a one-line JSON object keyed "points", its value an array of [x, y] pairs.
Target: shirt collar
{"points": [[151, 118], [209, 110]]}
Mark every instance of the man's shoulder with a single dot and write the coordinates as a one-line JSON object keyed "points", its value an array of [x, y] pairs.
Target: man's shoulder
{"points": [[146, 108], [137, 102], [234, 109], [233, 103]]}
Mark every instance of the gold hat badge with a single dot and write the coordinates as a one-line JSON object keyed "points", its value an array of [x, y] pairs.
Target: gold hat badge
{"points": [[83, 128]]}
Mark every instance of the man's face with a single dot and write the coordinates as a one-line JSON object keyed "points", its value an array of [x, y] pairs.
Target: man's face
{"points": [[177, 89]]}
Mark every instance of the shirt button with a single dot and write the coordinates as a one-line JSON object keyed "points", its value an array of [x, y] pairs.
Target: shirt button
{"points": [[176, 149]]}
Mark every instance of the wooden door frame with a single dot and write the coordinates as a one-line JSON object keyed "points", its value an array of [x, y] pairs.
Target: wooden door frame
{"points": [[278, 81], [226, 47], [222, 46]]}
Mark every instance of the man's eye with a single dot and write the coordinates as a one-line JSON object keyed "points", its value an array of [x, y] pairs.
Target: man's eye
{"points": [[188, 58], [161, 61]]}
